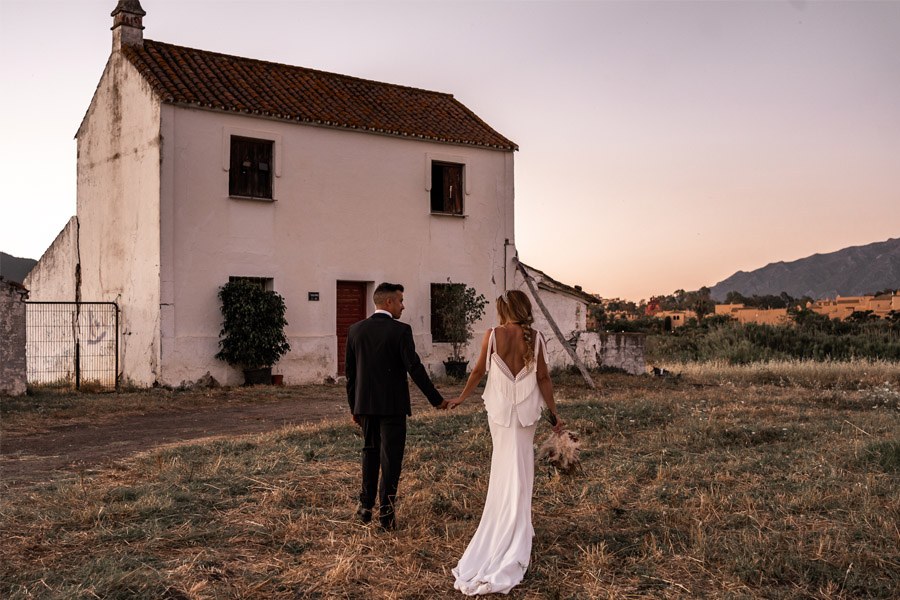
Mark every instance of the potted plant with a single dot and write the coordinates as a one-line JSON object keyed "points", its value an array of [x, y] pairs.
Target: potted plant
{"points": [[459, 308], [252, 336]]}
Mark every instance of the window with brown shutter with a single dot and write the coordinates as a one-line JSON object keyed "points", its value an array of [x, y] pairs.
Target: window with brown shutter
{"points": [[446, 188], [250, 174]]}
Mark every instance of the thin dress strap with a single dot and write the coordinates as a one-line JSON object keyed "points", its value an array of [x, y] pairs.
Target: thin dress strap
{"points": [[537, 347], [490, 351]]}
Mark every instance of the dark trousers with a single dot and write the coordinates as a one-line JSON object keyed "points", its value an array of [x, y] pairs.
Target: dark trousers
{"points": [[385, 441]]}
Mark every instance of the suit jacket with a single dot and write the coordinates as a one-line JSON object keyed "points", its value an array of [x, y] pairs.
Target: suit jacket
{"points": [[380, 352]]}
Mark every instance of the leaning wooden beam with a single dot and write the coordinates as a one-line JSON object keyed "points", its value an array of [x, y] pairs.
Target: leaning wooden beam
{"points": [[565, 344]]}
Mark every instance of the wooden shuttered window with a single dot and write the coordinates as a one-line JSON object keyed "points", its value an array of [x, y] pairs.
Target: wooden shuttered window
{"points": [[446, 188], [251, 168]]}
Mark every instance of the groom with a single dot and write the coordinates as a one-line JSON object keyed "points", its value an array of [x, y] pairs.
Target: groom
{"points": [[380, 352]]}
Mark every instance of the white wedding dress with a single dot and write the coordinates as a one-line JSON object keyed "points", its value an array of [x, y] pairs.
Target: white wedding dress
{"points": [[497, 557]]}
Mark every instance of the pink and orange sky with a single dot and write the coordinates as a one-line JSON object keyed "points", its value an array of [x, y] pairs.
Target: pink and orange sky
{"points": [[663, 145]]}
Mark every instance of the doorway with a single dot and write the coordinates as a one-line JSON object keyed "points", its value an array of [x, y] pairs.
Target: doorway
{"points": [[351, 307]]}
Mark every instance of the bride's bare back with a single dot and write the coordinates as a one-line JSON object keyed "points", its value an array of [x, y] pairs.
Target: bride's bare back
{"points": [[510, 345]]}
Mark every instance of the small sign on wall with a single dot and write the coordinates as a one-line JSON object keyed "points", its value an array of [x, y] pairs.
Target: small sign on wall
{"points": [[313, 296]]}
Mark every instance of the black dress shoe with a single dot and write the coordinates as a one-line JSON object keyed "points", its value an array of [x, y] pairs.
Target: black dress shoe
{"points": [[364, 514], [388, 523]]}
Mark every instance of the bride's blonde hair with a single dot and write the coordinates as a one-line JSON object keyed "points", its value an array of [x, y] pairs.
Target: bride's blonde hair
{"points": [[513, 306]]}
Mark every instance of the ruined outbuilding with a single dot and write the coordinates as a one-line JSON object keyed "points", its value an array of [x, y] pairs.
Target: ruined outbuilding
{"points": [[569, 306]]}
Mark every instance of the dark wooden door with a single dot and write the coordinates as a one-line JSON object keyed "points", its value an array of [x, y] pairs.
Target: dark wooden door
{"points": [[351, 307]]}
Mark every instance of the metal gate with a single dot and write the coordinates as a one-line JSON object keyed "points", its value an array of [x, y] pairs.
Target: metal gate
{"points": [[72, 344]]}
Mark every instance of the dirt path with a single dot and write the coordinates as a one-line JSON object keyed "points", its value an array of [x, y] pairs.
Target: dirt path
{"points": [[67, 449]]}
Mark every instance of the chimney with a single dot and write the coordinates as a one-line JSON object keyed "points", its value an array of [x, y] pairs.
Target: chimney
{"points": [[127, 27]]}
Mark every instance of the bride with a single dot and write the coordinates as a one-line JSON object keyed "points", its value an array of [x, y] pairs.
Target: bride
{"points": [[517, 388]]}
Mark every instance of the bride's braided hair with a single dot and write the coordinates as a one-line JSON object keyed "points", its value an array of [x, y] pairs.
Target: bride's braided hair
{"points": [[513, 306]]}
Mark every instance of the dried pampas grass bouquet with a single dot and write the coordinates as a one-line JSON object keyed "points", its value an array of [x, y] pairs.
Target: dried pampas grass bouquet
{"points": [[560, 450]]}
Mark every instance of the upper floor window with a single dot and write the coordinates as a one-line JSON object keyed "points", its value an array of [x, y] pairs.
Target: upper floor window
{"points": [[251, 168], [446, 188]]}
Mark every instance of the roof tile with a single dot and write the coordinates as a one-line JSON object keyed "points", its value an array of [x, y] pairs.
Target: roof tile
{"points": [[187, 76]]}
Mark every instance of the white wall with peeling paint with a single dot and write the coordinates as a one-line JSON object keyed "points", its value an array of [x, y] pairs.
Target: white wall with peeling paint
{"points": [[118, 212]]}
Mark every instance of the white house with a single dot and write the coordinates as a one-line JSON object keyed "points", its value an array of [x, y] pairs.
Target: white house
{"points": [[195, 167]]}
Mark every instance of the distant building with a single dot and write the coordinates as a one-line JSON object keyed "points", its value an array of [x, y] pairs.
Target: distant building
{"points": [[839, 308], [749, 314], [844, 306], [613, 310], [674, 319]]}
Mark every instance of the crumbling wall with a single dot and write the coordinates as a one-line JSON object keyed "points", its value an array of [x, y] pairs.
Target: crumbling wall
{"points": [[56, 275], [623, 351], [13, 373], [118, 212]]}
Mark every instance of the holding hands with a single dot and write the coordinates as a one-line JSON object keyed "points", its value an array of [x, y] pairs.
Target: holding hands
{"points": [[455, 402]]}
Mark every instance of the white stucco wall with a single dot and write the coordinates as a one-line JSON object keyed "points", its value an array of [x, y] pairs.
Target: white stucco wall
{"points": [[118, 210], [53, 277], [50, 347], [348, 206]]}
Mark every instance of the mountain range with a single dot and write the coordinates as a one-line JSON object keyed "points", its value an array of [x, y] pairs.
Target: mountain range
{"points": [[853, 271], [13, 268]]}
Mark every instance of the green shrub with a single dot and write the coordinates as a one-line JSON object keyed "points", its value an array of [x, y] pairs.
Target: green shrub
{"points": [[252, 334]]}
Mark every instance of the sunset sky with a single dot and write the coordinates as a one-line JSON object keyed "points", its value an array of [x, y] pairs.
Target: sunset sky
{"points": [[663, 145]]}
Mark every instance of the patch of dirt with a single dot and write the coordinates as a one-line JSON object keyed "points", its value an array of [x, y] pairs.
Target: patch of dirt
{"points": [[63, 450], [57, 445]]}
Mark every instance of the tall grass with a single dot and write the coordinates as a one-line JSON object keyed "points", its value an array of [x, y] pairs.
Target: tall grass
{"points": [[857, 374], [708, 485], [722, 339]]}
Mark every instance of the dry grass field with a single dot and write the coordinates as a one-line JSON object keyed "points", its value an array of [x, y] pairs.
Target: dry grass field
{"points": [[774, 481]]}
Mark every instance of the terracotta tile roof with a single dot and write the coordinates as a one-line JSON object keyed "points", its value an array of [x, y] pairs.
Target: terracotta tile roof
{"points": [[216, 81]]}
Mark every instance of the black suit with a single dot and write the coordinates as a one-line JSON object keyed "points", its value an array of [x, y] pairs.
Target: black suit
{"points": [[380, 353]]}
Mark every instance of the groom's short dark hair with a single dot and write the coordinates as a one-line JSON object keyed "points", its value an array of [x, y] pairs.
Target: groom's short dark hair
{"points": [[384, 289]]}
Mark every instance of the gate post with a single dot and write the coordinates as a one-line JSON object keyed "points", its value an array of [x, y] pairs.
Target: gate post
{"points": [[77, 364]]}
